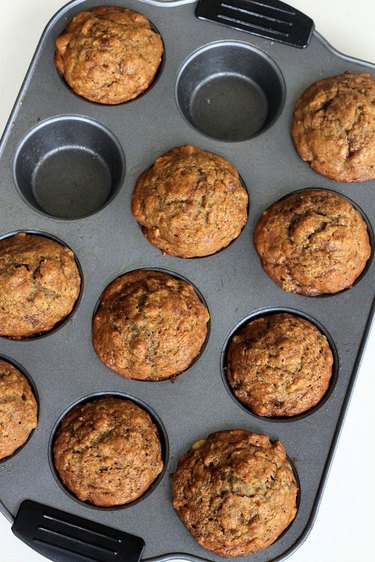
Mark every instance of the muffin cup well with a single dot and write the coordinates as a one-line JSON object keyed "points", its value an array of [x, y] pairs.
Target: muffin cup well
{"points": [[230, 91], [69, 167], [267, 312], [162, 434]]}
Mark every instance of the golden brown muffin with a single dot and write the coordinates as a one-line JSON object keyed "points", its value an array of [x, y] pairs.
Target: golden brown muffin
{"points": [[109, 54], [149, 325], [334, 127], [279, 365], [312, 242], [235, 492], [18, 409], [107, 451], [190, 203], [39, 284]]}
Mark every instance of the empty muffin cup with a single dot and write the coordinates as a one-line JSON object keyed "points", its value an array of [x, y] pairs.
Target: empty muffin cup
{"points": [[230, 91], [69, 167]]}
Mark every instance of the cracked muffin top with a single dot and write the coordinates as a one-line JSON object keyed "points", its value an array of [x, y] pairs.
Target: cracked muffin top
{"points": [[312, 242], [149, 325], [235, 491], [279, 365], [190, 203], [39, 284], [334, 127], [108, 54], [107, 451], [18, 409]]}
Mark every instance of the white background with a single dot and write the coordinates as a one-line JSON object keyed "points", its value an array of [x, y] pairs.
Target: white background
{"points": [[345, 529]]}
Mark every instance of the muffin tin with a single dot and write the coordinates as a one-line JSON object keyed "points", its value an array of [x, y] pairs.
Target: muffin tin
{"points": [[51, 138]]}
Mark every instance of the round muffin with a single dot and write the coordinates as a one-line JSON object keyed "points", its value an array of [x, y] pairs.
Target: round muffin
{"points": [[39, 284], [190, 203], [334, 127], [235, 491], [107, 451], [312, 242], [149, 325], [279, 365], [18, 409], [108, 54]]}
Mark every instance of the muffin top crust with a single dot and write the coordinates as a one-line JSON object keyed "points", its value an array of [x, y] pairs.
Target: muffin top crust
{"points": [[18, 409], [108, 54], [39, 284], [334, 127], [107, 451], [279, 365], [190, 203], [312, 242], [149, 325], [235, 492]]}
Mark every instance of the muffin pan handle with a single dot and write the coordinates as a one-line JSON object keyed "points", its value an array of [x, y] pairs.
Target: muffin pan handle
{"points": [[271, 19], [63, 537]]}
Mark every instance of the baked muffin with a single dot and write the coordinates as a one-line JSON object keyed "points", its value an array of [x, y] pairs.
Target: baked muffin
{"points": [[39, 284], [312, 242], [279, 365], [18, 409], [190, 203], [109, 54], [334, 127], [107, 451], [235, 491], [149, 325]]}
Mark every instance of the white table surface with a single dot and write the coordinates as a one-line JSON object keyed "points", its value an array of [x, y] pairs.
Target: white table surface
{"points": [[344, 530]]}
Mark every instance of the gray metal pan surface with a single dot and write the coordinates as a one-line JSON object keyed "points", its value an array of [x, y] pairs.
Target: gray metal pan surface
{"points": [[63, 365]]}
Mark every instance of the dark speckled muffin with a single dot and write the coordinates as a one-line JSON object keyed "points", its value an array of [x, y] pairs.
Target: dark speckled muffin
{"points": [[279, 365], [334, 127], [312, 242], [39, 284], [18, 409], [107, 451], [190, 203], [235, 491], [149, 325], [109, 54]]}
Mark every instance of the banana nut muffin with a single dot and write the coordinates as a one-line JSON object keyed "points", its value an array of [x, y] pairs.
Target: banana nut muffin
{"points": [[18, 409], [279, 365], [107, 451], [108, 54], [39, 284], [190, 203], [235, 491], [334, 127], [149, 325], [312, 242]]}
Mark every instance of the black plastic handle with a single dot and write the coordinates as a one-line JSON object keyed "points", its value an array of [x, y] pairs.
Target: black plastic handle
{"points": [[271, 19], [63, 537]]}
